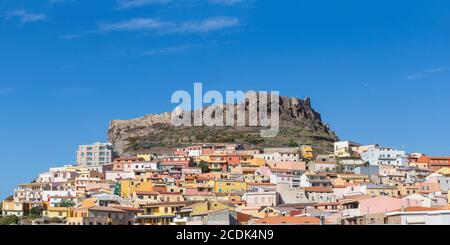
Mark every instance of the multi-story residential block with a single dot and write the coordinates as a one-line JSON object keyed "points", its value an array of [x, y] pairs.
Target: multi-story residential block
{"points": [[229, 186], [159, 214], [214, 217], [98, 215], [31, 192], [176, 164], [349, 164], [285, 176], [315, 180], [356, 207], [288, 195], [13, 208], [342, 191], [288, 154], [418, 216], [385, 156], [382, 190], [433, 163], [56, 212], [95, 155], [323, 163], [260, 198], [292, 166], [320, 194], [345, 148]]}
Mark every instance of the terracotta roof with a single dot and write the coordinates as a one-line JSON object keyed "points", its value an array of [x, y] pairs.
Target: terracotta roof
{"points": [[242, 217], [421, 209], [318, 189], [354, 198], [281, 170], [289, 220], [170, 193], [146, 193], [168, 204], [106, 209], [128, 208]]}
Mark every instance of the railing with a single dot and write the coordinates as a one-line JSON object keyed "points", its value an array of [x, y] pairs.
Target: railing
{"points": [[350, 212]]}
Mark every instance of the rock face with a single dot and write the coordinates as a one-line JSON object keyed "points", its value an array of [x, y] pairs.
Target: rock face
{"points": [[299, 124]]}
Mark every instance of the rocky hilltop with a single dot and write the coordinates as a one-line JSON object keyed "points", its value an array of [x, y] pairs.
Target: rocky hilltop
{"points": [[299, 124]]}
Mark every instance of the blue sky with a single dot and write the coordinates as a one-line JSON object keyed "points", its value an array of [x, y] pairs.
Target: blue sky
{"points": [[378, 71]]}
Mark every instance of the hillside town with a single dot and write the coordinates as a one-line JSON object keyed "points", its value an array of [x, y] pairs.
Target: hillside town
{"points": [[231, 184]]}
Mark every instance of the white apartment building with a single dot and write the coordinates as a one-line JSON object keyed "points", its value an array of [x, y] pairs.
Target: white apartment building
{"points": [[94, 155], [288, 154], [285, 178], [385, 156], [260, 198]]}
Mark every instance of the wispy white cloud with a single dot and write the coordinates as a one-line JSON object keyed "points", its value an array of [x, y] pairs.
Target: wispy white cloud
{"points": [[424, 73], [70, 36], [135, 24], [127, 4], [24, 16], [227, 2], [170, 27], [168, 50]]}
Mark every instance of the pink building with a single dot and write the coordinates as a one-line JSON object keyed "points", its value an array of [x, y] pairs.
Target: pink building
{"points": [[293, 165], [382, 204], [430, 186]]}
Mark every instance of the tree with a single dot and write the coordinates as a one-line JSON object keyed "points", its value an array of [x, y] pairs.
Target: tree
{"points": [[204, 166], [36, 212], [66, 203]]}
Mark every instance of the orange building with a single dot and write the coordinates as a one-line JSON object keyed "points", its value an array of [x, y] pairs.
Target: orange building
{"points": [[434, 162]]}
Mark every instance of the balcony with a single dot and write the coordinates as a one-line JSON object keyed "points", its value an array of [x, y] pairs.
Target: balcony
{"points": [[350, 213]]}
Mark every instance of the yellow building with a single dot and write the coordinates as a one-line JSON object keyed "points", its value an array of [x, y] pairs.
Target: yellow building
{"points": [[10, 207], [408, 189], [342, 153], [307, 151], [159, 214], [56, 212], [229, 186], [343, 179], [198, 207], [257, 162], [128, 187], [444, 171], [146, 157]]}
